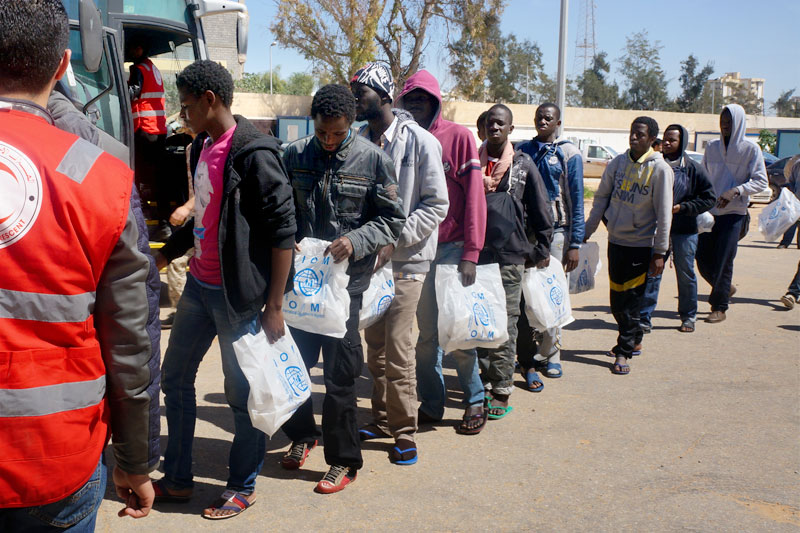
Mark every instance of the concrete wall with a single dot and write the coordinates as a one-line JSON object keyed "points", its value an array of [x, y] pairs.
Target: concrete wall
{"points": [[607, 126], [220, 32]]}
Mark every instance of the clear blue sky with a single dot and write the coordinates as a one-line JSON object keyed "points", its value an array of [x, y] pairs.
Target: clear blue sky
{"points": [[760, 39]]}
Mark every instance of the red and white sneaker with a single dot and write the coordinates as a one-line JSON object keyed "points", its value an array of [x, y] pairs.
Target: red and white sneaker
{"points": [[297, 454], [337, 478]]}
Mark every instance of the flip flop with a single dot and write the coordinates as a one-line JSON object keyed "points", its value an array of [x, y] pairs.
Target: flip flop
{"points": [[686, 327], [556, 367], [507, 409], [531, 377], [482, 416], [620, 369], [164, 495], [370, 432], [398, 454], [231, 501]]}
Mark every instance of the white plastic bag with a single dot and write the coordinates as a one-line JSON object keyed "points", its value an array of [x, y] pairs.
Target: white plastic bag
{"points": [[705, 221], [546, 293], [474, 316], [319, 301], [582, 278], [778, 216], [278, 379], [378, 296]]}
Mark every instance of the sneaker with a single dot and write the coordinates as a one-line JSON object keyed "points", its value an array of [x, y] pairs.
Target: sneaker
{"points": [[782, 246], [646, 328], [337, 478], [715, 317], [788, 300], [297, 454]]}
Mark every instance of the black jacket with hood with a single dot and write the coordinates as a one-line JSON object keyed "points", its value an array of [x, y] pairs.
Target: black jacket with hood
{"points": [[699, 196], [256, 215], [519, 221]]}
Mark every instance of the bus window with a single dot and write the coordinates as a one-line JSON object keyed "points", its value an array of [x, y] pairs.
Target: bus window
{"points": [[174, 10], [105, 112], [170, 64]]}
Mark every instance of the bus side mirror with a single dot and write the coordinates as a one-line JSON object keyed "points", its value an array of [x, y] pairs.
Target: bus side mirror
{"points": [[242, 22], [91, 30]]}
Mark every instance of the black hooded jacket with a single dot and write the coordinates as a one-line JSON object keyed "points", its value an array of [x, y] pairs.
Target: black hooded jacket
{"points": [[256, 215], [699, 196]]}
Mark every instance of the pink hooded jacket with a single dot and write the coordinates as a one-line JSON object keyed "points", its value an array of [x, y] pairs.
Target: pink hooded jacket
{"points": [[466, 218]]}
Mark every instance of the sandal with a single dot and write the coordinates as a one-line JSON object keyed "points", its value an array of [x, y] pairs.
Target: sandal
{"points": [[687, 326], [404, 456], [501, 411], [620, 369], [531, 377], [556, 367], [235, 502], [372, 431], [165, 495], [462, 428]]}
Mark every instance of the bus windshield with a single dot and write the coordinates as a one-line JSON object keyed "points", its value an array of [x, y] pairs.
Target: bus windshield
{"points": [[174, 10]]}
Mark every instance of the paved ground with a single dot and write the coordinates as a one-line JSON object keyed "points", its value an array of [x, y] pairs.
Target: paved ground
{"points": [[702, 435]]}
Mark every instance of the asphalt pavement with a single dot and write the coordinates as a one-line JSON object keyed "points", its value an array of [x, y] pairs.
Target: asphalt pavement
{"points": [[703, 435]]}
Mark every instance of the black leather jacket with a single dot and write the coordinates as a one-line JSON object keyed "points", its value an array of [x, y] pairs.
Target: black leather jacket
{"points": [[351, 192]]}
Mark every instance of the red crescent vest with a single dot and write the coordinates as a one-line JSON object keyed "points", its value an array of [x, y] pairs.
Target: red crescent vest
{"points": [[149, 109], [63, 205]]}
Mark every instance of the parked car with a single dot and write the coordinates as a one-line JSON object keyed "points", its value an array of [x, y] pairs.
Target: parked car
{"points": [[596, 158], [777, 176]]}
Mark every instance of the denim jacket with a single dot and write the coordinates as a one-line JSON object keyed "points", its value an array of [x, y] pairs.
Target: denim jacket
{"points": [[351, 192]]}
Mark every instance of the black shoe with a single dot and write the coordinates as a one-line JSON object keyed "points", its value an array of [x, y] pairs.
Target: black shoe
{"points": [[167, 322]]}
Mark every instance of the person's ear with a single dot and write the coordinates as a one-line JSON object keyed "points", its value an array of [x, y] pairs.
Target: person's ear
{"points": [[63, 65], [559, 122], [510, 129], [210, 97]]}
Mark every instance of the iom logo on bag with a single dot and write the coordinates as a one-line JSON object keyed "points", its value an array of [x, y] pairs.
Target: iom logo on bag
{"points": [[295, 378], [775, 212], [384, 303], [583, 279], [481, 314], [557, 295], [307, 282]]}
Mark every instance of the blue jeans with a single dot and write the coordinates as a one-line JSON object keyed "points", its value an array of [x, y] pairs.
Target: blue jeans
{"points": [[201, 316], [430, 381], [76, 513], [684, 248]]}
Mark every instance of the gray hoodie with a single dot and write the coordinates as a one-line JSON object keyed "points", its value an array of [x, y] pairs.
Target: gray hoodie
{"points": [[635, 197], [740, 165], [422, 189]]}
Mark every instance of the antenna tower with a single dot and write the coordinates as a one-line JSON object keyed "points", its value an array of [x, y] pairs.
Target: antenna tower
{"points": [[585, 47]]}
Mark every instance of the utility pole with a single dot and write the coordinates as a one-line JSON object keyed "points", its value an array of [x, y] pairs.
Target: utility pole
{"points": [[562, 58], [527, 85], [270, 65]]}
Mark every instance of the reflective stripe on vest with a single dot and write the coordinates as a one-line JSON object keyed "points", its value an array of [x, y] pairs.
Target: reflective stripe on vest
{"points": [[79, 160], [51, 399], [46, 307]]}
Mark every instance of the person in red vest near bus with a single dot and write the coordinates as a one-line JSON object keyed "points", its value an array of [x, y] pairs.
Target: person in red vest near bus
{"points": [[79, 337], [148, 107]]}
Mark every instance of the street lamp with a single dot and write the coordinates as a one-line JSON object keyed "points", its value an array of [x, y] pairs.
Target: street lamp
{"points": [[270, 65]]}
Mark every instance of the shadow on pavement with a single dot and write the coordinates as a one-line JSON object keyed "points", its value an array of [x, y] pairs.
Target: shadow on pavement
{"points": [[790, 327], [578, 356]]}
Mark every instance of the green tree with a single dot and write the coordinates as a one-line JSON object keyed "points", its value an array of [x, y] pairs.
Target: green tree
{"points": [[474, 53], [546, 90], [784, 106], [300, 83], [640, 66], [594, 89], [692, 84], [767, 141]]}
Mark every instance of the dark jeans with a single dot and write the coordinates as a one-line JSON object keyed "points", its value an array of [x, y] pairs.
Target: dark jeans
{"points": [[794, 286], [787, 237], [627, 273], [341, 365], [716, 251], [76, 513]]}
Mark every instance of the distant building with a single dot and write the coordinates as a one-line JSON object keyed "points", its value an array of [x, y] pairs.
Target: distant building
{"points": [[723, 88], [220, 31]]}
